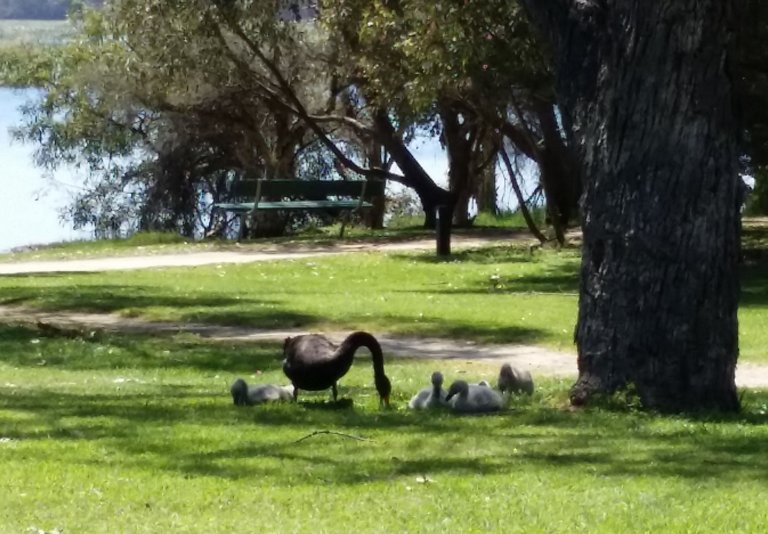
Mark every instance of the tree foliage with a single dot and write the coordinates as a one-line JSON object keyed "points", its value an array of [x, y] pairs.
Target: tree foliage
{"points": [[469, 71], [157, 121], [262, 86]]}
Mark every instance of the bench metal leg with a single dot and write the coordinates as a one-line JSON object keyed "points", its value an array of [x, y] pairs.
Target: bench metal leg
{"points": [[344, 220], [241, 230]]}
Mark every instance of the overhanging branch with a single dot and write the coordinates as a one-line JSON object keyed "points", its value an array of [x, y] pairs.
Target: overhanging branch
{"points": [[295, 105]]}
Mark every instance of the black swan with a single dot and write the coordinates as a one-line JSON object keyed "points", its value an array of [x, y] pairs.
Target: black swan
{"points": [[514, 380], [433, 397], [471, 398], [313, 363], [245, 395]]}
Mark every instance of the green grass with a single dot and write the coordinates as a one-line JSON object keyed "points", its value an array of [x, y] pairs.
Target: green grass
{"points": [[142, 243], [137, 434], [152, 243], [494, 294], [502, 226], [510, 219]]}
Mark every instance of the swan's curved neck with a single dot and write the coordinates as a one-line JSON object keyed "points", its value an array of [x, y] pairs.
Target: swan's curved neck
{"points": [[363, 339]]}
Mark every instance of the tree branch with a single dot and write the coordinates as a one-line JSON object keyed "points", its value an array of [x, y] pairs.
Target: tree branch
{"points": [[520, 139], [297, 107], [520, 200], [353, 123]]}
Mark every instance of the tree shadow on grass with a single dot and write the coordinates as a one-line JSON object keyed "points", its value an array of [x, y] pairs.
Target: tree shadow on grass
{"points": [[435, 327], [754, 282], [513, 252], [242, 443], [101, 298], [598, 441], [29, 347]]}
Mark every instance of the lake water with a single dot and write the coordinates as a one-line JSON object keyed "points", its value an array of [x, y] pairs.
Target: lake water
{"points": [[29, 203]]}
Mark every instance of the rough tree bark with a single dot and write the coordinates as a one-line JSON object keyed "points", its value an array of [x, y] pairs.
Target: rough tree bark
{"points": [[485, 186], [646, 96]]}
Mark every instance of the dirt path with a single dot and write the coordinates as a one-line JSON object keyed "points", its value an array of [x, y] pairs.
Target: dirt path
{"points": [[537, 359], [247, 255], [540, 361]]}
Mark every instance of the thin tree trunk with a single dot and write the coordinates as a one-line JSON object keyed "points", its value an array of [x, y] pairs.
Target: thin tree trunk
{"points": [[485, 188], [558, 171], [649, 101], [549, 152], [521, 200]]}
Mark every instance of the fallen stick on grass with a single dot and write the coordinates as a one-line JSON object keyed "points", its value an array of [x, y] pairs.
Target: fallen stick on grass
{"points": [[342, 434]]}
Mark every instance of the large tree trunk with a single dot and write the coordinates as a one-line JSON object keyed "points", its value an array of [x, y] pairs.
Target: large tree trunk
{"points": [[645, 92]]}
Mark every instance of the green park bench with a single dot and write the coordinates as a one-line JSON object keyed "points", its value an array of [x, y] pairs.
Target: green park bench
{"points": [[343, 196]]}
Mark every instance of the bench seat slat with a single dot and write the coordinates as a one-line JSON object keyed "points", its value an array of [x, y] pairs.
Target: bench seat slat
{"points": [[246, 189], [297, 195], [293, 205]]}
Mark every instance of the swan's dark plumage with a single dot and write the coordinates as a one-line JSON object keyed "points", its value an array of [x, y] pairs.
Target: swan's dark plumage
{"points": [[314, 363], [514, 380]]}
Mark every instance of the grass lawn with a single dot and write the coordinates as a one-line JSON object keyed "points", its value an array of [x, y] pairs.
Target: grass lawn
{"points": [[137, 434], [494, 294]]}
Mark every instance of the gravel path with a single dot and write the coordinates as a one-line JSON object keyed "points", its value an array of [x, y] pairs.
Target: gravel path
{"points": [[537, 359]]}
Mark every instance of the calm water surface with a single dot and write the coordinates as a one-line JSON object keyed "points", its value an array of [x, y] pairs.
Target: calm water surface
{"points": [[29, 202]]}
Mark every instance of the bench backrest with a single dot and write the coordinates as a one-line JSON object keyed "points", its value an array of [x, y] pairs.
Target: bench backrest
{"points": [[309, 189]]}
